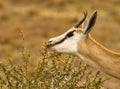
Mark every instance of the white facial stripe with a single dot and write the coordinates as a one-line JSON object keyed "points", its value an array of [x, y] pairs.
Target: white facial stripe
{"points": [[69, 45], [61, 38], [66, 36], [66, 43]]}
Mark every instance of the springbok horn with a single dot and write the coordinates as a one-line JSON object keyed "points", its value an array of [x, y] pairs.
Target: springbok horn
{"points": [[81, 21]]}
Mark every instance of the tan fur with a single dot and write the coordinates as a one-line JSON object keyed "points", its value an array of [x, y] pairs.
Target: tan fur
{"points": [[96, 55], [79, 30]]}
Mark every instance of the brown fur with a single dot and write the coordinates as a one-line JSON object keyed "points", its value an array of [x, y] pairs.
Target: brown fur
{"points": [[100, 57]]}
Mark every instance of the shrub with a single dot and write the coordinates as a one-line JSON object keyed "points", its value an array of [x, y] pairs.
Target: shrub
{"points": [[52, 72]]}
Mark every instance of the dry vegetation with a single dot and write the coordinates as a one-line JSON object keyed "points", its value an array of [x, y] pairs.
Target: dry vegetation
{"points": [[50, 73], [42, 19]]}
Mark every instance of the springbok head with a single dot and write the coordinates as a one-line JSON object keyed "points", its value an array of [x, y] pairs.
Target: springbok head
{"points": [[68, 41]]}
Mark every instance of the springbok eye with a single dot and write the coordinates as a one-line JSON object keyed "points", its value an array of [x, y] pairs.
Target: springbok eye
{"points": [[70, 34]]}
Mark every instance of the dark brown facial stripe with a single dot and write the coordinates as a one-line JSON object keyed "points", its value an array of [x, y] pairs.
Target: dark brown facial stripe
{"points": [[70, 34], [61, 40], [50, 45]]}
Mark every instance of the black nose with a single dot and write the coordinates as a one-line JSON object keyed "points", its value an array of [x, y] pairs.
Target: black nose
{"points": [[48, 44]]}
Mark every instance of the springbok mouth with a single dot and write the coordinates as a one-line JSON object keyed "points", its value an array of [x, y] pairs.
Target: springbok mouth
{"points": [[49, 45]]}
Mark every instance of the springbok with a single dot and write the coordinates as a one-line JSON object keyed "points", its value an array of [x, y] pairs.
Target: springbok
{"points": [[78, 41]]}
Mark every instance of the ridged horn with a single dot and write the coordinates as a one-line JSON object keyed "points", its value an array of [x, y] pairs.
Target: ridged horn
{"points": [[81, 21]]}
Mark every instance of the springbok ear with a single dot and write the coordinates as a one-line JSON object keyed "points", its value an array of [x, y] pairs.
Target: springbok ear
{"points": [[91, 23]]}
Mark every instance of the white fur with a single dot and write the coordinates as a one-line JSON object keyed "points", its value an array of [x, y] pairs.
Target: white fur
{"points": [[69, 45]]}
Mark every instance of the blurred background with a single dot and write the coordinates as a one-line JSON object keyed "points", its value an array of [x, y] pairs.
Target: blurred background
{"points": [[39, 20]]}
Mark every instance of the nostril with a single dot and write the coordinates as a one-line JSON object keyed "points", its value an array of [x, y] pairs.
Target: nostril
{"points": [[48, 45]]}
